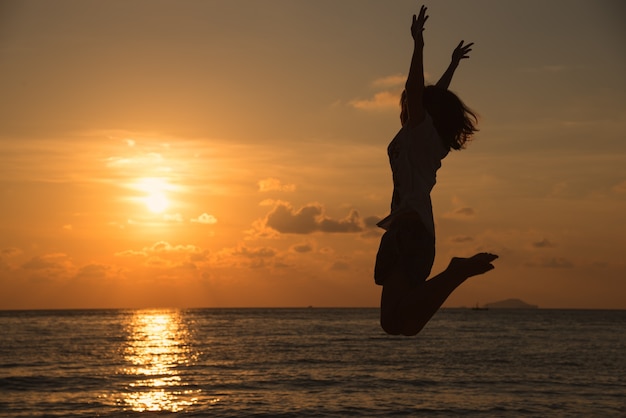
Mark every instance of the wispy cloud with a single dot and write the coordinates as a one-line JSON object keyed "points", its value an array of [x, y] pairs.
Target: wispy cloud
{"points": [[173, 217], [205, 219], [544, 243], [274, 184], [396, 80], [461, 239], [620, 187], [460, 213], [10, 252], [162, 254], [96, 272], [551, 263], [55, 261], [383, 100], [243, 256]]}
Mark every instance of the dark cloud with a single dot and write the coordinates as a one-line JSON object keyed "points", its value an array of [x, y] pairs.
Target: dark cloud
{"points": [[47, 262], [93, 271], [371, 221], [461, 239], [284, 219], [460, 214], [352, 223], [465, 212], [308, 219], [10, 252], [340, 265], [552, 263], [262, 252], [302, 248], [557, 263], [544, 243]]}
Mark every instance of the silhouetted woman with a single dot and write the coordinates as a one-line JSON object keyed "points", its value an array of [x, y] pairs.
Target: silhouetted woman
{"points": [[434, 120]]}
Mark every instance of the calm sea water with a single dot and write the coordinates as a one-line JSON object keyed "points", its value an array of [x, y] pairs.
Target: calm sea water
{"points": [[310, 362]]}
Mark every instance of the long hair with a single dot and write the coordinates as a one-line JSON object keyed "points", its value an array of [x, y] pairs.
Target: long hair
{"points": [[454, 121]]}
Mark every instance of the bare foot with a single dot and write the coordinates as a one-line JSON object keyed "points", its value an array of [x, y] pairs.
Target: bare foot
{"points": [[472, 266]]}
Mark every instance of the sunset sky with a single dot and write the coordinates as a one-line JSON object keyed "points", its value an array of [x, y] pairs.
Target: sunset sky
{"points": [[231, 153]]}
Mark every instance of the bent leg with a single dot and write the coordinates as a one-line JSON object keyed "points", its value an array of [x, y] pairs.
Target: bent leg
{"points": [[406, 310], [394, 290]]}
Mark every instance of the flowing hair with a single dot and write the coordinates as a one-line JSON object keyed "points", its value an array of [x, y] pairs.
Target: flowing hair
{"points": [[454, 121]]}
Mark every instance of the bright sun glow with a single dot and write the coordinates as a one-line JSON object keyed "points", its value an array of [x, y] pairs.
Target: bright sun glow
{"points": [[155, 199], [156, 202]]}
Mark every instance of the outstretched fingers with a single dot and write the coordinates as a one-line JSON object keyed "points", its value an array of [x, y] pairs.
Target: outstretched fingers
{"points": [[417, 26], [423, 17], [462, 51]]}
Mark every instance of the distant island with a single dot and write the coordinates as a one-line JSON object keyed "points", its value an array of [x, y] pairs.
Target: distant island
{"points": [[510, 304]]}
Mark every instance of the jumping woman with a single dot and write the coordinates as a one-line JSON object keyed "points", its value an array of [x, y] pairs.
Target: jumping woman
{"points": [[434, 121]]}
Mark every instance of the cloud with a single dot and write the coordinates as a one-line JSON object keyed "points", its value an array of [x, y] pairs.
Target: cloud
{"points": [[186, 258], [246, 257], [551, 263], [461, 213], [274, 184], [371, 221], [50, 267], [620, 188], [162, 254], [340, 266], [130, 253], [302, 248], [205, 219], [387, 98], [10, 252], [308, 219], [351, 223], [263, 252], [390, 81], [461, 239], [94, 272], [544, 243], [372, 231], [285, 219], [383, 100], [166, 247], [6, 255], [56, 261], [173, 217], [465, 212]]}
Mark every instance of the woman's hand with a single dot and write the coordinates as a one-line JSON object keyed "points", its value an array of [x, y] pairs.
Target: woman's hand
{"points": [[461, 52], [417, 27]]}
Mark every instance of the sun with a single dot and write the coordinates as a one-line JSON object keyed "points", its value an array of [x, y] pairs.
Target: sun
{"points": [[156, 202], [155, 198]]}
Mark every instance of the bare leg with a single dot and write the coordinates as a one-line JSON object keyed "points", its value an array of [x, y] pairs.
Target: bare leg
{"points": [[405, 310]]}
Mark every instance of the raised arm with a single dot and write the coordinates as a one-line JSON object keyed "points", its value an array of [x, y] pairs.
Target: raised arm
{"points": [[415, 81], [459, 53]]}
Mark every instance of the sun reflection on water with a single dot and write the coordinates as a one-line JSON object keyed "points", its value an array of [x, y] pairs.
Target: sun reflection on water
{"points": [[157, 349]]}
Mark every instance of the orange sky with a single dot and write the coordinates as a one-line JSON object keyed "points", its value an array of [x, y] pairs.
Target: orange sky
{"points": [[233, 153]]}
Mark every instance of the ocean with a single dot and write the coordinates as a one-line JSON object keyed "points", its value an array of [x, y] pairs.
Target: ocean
{"points": [[313, 362]]}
